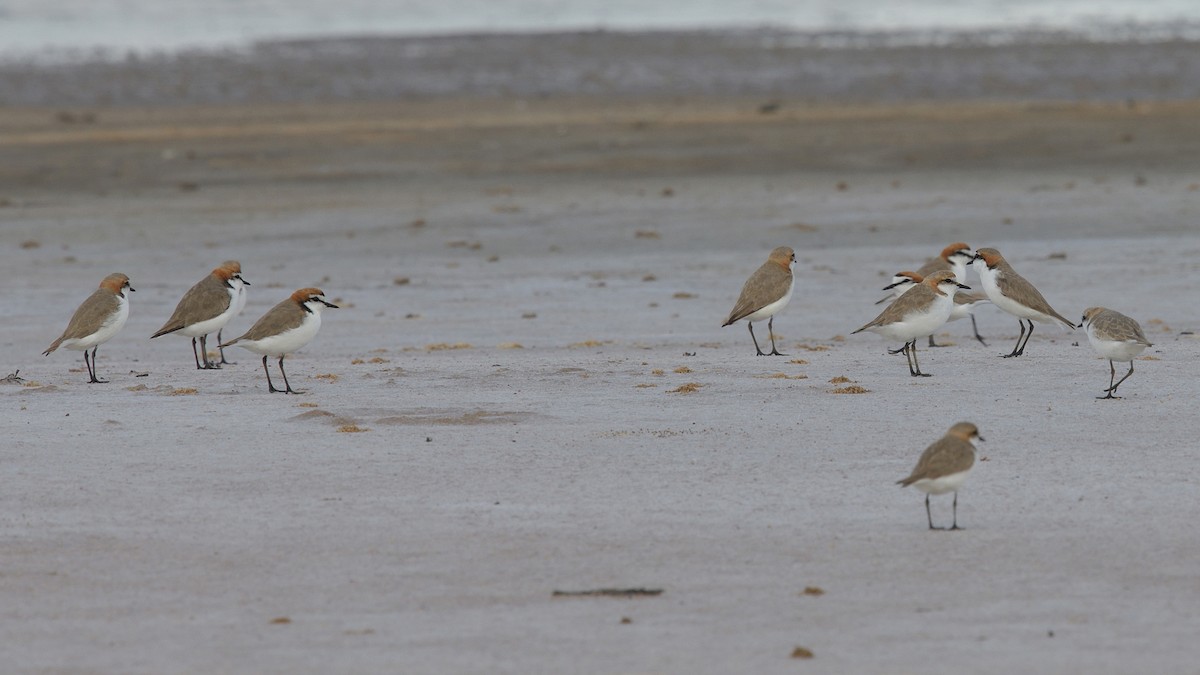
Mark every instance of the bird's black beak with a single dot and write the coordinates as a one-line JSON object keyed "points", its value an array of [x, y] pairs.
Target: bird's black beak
{"points": [[330, 305], [980, 438], [132, 289], [245, 282], [964, 286], [976, 257], [891, 286], [1080, 325]]}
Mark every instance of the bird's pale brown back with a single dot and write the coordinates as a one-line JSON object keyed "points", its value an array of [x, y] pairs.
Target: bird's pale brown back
{"points": [[206, 300], [90, 316], [948, 455]]}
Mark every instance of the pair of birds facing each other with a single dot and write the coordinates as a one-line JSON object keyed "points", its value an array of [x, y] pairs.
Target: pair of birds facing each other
{"points": [[1002, 287], [1112, 335], [955, 257], [206, 307]]}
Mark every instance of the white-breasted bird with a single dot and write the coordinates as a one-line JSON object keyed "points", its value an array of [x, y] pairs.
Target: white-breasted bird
{"points": [[96, 321], [764, 294], [1115, 337], [944, 465], [284, 329], [206, 308], [916, 314], [1012, 293]]}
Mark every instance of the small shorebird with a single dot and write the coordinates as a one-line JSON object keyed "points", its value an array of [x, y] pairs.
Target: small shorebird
{"points": [[901, 283], [96, 321], [765, 293], [239, 304], [286, 328], [1115, 337], [205, 308], [964, 303], [954, 257], [917, 313], [1012, 293], [944, 466]]}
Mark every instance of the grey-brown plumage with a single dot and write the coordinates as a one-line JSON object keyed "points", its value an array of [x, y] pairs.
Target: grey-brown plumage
{"points": [[208, 299], [92, 314], [96, 321], [1014, 294], [1115, 337], [766, 292], [942, 261], [944, 465], [205, 308]]}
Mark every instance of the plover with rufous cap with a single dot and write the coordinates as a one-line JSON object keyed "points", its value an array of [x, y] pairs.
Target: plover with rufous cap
{"points": [[954, 257], [944, 466], [916, 314], [764, 294], [901, 283], [206, 308], [1115, 337], [239, 304], [1014, 294], [96, 321], [284, 329], [964, 303]]}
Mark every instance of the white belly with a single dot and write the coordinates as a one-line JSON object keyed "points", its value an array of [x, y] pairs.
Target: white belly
{"points": [[1115, 350], [988, 278], [940, 486], [287, 342], [112, 326], [918, 324], [774, 307], [216, 323]]}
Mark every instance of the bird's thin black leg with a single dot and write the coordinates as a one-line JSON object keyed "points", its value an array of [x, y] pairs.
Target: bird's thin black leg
{"points": [[92, 379], [750, 325], [913, 349], [1027, 336], [288, 387], [976, 329], [1113, 389], [771, 332], [196, 356], [955, 526], [1014, 352], [270, 387], [221, 349], [927, 513], [208, 365]]}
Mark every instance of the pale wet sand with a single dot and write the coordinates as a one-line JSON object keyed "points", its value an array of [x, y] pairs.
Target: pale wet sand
{"points": [[500, 408]]}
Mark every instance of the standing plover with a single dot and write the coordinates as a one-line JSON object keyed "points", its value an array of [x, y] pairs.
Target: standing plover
{"points": [[96, 321], [944, 466], [917, 313], [1012, 293], [206, 308], [1115, 337], [287, 327], [765, 293]]}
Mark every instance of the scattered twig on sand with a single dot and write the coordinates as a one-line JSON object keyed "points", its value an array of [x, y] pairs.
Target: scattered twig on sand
{"points": [[611, 592], [13, 377]]}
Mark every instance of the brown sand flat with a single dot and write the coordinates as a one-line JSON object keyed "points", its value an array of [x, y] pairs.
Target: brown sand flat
{"points": [[489, 416]]}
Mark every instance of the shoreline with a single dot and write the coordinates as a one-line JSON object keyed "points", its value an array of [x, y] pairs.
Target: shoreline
{"points": [[766, 63]]}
